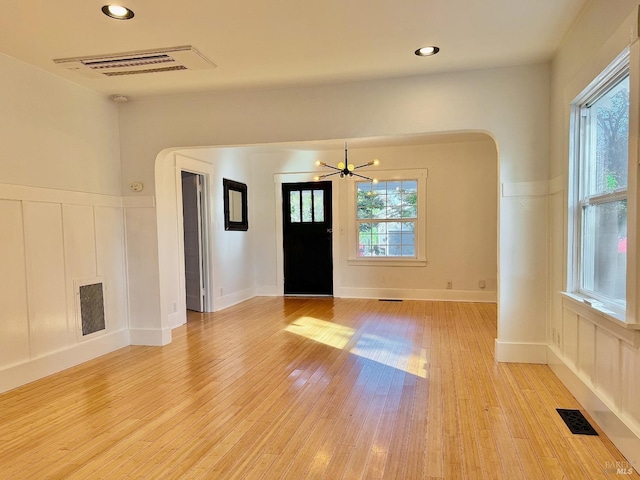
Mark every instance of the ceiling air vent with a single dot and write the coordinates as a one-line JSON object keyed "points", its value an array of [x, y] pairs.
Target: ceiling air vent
{"points": [[136, 63]]}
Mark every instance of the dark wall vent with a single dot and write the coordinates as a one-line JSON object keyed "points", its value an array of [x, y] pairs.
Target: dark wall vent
{"points": [[576, 422], [92, 308]]}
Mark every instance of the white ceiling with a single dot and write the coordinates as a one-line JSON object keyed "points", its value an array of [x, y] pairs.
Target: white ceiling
{"points": [[277, 43]]}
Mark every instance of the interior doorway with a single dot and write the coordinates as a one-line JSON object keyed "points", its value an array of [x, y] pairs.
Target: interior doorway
{"points": [[192, 211], [307, 238]]}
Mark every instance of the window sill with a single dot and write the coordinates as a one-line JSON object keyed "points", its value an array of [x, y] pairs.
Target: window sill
{"points": [[387, 262], [613, 322]]}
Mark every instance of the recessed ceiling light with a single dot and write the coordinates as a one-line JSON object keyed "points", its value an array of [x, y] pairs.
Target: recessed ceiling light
{"points": [[427, 51], [119, 98], [118, 12]]}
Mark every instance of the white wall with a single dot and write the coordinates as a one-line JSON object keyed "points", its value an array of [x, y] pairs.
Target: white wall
{"points": [[598, 359], [511, 104], [62, 221], [461, 220], [230, 253]]}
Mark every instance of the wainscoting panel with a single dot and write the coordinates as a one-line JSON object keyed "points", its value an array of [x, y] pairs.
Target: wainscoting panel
{"points": [[79, 242], [569, 338], [111, 256], [48, 319], [603, 380], [607, 365], [629, 401], [586, 348], [47, 246], [14, 327]]}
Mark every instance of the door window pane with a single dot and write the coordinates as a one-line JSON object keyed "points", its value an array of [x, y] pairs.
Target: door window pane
{"points": [[294, 202], [307, 213], [318, 206]]}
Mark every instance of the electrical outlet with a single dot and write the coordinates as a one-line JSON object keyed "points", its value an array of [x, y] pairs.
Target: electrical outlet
{"points": [[449, 285], [482, 284]]}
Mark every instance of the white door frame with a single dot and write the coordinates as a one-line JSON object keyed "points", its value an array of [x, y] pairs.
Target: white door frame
{"points": [[195, 198], [205, 170]]}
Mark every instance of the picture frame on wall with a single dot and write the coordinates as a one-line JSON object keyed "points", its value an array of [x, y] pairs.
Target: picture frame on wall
{"points": [[235, 205]]}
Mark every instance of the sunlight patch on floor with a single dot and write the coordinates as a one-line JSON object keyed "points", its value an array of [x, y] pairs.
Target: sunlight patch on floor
{"points": [[393, 352], [331, 334]]}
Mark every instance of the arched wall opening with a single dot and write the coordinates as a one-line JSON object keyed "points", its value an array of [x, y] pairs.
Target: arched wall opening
{"points": [[460, 216]]}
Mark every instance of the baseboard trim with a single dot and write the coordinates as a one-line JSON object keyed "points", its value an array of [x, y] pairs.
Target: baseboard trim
{"points": [[619, 430], [232, 299], [177, 319], [515, 352], [423, 294], [23, 373], [153, 337], [268, 292]]}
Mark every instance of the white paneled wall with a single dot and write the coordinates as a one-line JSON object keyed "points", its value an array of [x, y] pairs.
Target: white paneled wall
{"points": [[111, 257], [49, 240], [599, 360], [630, 363], [47, 296], [14, 329]]}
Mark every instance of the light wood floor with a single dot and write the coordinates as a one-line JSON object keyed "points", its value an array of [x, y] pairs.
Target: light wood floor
{"points": [[299, 388]]}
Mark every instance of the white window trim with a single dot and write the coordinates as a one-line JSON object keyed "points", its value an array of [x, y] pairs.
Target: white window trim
{"points": [[627, 61], [420, 259]]}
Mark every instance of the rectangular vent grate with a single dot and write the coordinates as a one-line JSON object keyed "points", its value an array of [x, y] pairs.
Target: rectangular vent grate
{"points": [[92, 308], [389, 300], [576, 422], [127, 62], [154, 70], [133, 63]]}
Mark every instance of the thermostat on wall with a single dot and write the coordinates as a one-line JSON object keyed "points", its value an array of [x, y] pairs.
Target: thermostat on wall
{"points": [[136, 187]]}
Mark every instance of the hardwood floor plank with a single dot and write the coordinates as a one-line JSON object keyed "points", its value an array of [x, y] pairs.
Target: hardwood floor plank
{"points": [[309, 388]]}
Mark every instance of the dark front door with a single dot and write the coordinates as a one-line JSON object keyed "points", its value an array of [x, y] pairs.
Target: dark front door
{"points": [[307, 235]]}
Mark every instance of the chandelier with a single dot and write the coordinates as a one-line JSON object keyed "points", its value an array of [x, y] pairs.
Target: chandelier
{"points": [[346, 169]]}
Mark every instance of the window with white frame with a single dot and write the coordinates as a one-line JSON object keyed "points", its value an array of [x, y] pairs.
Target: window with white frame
{"points": [[387, 218], [600, 171]]}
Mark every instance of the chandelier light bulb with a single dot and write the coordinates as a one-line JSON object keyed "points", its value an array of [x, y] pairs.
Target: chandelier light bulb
{"points": [[341, 165]]}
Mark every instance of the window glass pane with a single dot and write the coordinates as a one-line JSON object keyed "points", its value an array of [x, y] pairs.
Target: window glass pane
{"points": [[307, 213], [373, 239], [294, 206], [408, 251], [608, 140], [604, 249], [318, 206], [394, 239], [409, 199], [394, 200], [385, 201], [379, 200], [370, 203], [364, 239]]}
